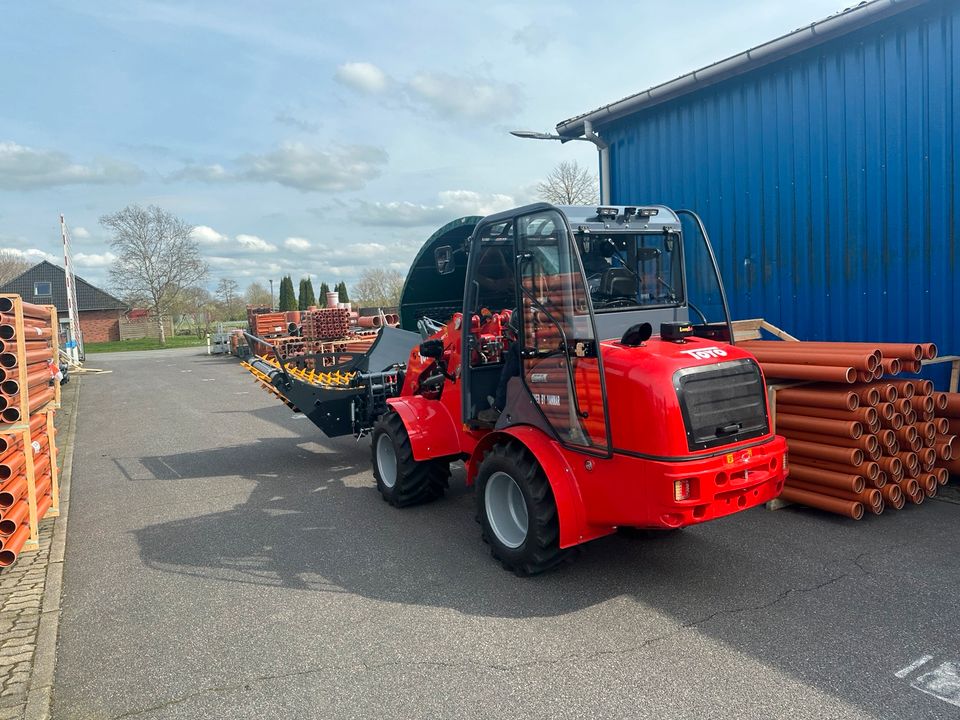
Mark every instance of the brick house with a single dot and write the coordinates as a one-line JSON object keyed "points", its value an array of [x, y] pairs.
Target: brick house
{"points": [[98, 311]]}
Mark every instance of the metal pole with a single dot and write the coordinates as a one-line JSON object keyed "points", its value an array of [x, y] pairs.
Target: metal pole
{"points": [[73, 350]]}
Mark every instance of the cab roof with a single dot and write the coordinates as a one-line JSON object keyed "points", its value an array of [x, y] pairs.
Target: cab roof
{"points": [[597, 218]]}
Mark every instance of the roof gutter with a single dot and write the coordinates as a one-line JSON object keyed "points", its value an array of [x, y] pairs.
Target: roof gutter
{"points": [[777, 49]]}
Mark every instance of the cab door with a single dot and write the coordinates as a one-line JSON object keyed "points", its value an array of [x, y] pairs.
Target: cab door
{"points": [[561, 365]]}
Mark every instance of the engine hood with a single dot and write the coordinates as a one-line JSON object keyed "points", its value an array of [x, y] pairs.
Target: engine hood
{"points": [[653, 409]]}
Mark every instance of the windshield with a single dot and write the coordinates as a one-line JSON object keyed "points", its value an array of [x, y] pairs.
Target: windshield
{"points": [[630, 271]]}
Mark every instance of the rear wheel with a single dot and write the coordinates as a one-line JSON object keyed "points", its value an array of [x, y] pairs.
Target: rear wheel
{"points": [[401, 480], [517, 512]]}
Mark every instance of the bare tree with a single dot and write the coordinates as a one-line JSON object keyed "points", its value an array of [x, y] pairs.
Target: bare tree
{"points": [[570, 184], [257, 294], [12, 265], [157, 257], [378, 287], [227, 291], [196, 303]]}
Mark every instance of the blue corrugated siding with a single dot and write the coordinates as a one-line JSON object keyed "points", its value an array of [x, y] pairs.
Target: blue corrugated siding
{"points": [[827, 180]]}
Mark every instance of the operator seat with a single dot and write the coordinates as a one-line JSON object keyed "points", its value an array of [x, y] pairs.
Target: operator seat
{"points": [[618, 282]]}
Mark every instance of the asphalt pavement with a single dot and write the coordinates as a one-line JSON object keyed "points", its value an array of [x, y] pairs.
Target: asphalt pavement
{"points": [[226, 560]]}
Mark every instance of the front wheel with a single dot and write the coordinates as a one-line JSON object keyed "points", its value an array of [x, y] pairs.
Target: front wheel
{"points": [[517, 512], [401, 480]]}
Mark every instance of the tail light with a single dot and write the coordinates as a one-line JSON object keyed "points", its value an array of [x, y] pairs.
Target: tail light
{"points": [[681, 489]]}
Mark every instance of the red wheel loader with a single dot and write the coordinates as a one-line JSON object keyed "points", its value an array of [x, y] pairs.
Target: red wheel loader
{"points": [[579, 360]]}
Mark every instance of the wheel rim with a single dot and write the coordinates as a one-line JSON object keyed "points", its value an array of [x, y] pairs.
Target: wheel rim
{"points": [[506, 509], [386, 461]]}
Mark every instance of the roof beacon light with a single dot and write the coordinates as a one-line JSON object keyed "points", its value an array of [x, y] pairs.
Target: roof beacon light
{"points": [[607, 213]]}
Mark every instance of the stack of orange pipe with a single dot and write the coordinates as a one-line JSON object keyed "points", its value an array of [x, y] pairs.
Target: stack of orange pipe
{"points": [[36, 390], [865, 446]]}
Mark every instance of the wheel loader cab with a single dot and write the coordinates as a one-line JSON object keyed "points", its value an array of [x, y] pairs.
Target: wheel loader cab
{"points": [[557, 384], [576, 276]]}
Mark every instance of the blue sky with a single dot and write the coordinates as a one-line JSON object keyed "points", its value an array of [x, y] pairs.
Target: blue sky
{"points": [[319, 138]]}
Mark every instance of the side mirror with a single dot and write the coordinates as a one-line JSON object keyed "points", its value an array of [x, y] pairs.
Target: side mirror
{"points": [[432, 348], [443, 259]]}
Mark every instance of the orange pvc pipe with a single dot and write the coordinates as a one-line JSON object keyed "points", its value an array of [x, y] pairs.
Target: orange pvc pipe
{"points": [[817, 397], [924, 387], [807, 372], [886, 410], [796, 354], [869, 470], [869, 496], [891, 465], [911, 366], [911, 464], [34, 311], [13, 544], [40, 376], [13, 517], [928, 459], [940, 400], [866, 415], [951, 405], [894, 422], [12, 414], [830, 453], [905, 388], [868, 443], [891, 366], [9, 360], [7, 442], [908, 351], [837, 506], [893, 496], [922, 403], [819, 476], [943, 475], [803, 423], [868, 393]]}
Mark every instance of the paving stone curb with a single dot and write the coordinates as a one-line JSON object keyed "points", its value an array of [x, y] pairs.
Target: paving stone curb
{"points": [[40, 694]]}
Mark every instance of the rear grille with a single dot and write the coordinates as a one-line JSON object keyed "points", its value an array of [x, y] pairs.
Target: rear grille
{"points": [[722, 404]]}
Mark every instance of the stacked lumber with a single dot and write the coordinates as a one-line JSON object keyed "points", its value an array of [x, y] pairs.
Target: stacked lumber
{"points": [[876, 443]]}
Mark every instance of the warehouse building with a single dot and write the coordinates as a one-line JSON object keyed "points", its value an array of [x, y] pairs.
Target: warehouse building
{"points": [[98, 312], [825, 165]]}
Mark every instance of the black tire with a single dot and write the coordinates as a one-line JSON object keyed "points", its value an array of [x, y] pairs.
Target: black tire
{"points": [[539, 550], [413, 482]]}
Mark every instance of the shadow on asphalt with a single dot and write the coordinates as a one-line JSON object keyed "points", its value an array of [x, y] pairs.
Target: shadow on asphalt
{"points": [[798, 590]]}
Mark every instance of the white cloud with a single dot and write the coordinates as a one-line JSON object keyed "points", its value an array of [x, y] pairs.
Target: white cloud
{"points": [[466, 97], [451, 205], [94, 260], [203, 173], [33, 255], [24, 168], [81, 232], [287, 117], [296, 243], [252, 242], [299, 166], [363, 76], [206, 235]]}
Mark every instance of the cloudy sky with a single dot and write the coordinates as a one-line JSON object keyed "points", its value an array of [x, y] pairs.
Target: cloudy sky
{"points": [[319, 137]]}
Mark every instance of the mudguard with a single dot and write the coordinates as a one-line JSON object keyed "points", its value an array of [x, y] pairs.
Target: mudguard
{"points": [[574, 528], [432, 431]]}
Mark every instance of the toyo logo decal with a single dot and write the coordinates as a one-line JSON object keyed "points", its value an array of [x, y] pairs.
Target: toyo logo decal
{"points": [[705, 353]]}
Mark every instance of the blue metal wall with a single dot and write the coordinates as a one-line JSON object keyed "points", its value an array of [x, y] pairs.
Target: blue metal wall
{"points": [[829, 181]]}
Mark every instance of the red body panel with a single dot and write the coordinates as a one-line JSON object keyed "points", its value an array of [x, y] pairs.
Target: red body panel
{"points": [[595, 495]]}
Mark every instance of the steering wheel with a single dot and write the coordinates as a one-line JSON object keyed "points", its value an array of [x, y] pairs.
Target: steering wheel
{"points": [[622, 301]]}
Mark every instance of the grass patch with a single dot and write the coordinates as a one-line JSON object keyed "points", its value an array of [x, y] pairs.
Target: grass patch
{"points": [[177, 341]]}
